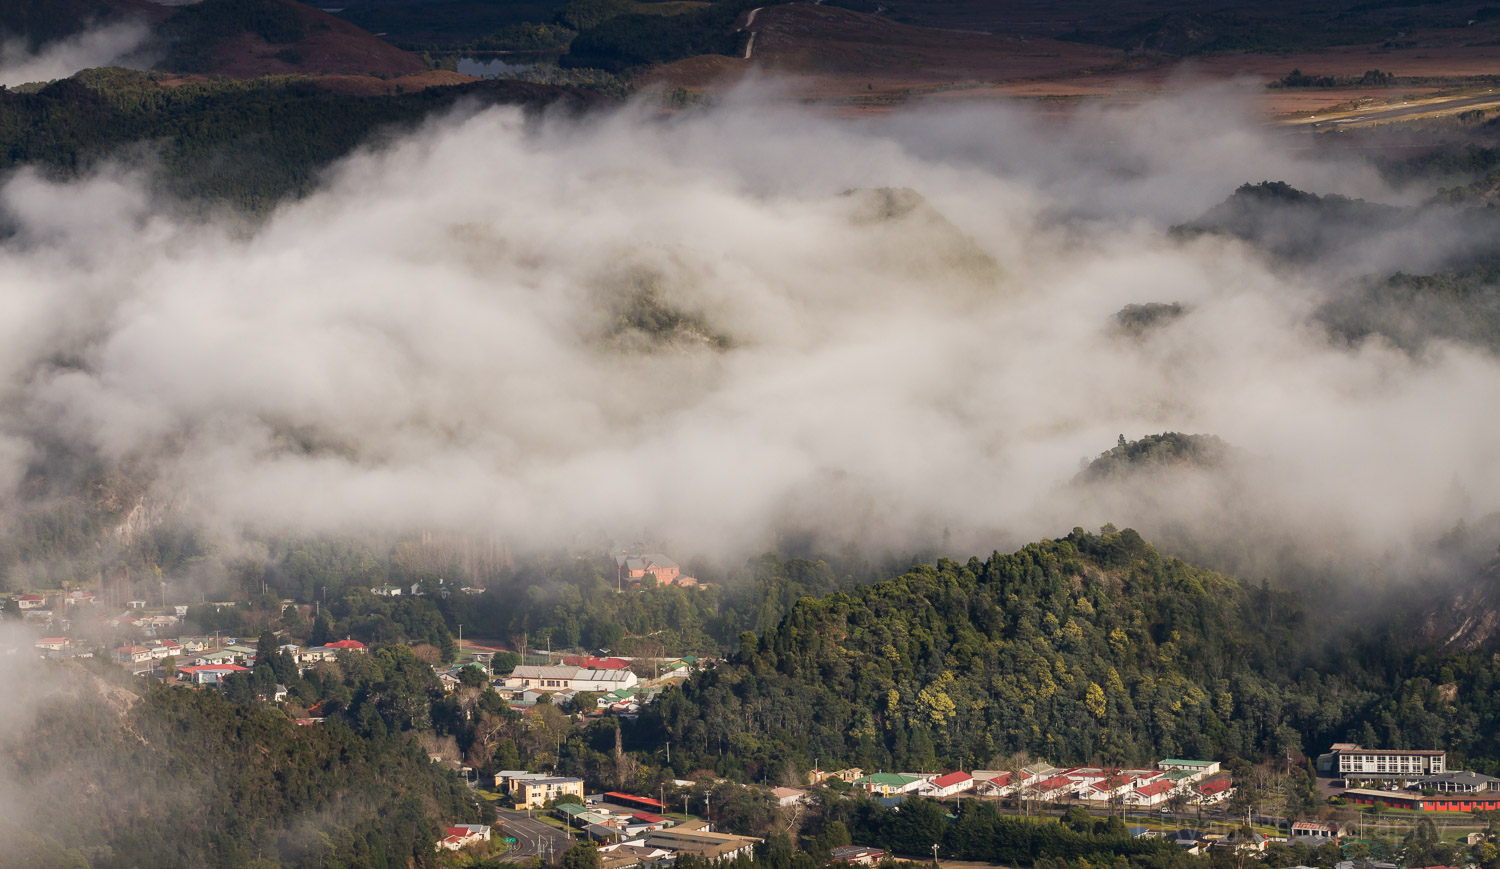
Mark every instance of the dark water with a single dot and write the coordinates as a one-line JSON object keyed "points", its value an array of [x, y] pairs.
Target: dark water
{"points": [[504, 65]]}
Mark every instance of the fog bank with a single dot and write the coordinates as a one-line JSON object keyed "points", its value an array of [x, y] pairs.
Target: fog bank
{"points": [[102, 46], [691, 328]]}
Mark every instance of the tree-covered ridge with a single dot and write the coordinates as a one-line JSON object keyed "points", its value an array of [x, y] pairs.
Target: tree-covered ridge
{"points": [[187, 778], [248, 143], [1166, 449], [1090, 648]]}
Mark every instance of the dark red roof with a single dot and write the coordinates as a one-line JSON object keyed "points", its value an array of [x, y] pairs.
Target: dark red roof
{"points": [[456, 831], [1155, 788], [1055, 782], [1214, 786], [592, 663], [633, 798], [346, 644], [648, 817], [951, 779]]}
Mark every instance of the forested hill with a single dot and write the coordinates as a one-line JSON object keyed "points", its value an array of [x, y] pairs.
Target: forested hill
{"points": [[245, 143], [1090, 648], [178, 777]]}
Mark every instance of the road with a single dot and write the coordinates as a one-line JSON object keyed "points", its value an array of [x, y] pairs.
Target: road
{"points": [[1416, 108], [533, 838], [749, 20]]}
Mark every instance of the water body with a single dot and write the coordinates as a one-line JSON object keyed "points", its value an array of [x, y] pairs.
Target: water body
{"points": [[502, 66]]}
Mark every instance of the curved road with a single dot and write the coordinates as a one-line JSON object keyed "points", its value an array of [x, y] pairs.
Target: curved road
{"points": [[533, 837], [749, 20]]}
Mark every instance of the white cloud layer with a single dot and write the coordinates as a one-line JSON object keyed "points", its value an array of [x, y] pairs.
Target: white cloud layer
{"points": [[422, 343]]}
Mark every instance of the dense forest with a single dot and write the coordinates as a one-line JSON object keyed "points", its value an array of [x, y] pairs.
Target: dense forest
{"points": [[1090, 648], [121, 776], [249, 144]]}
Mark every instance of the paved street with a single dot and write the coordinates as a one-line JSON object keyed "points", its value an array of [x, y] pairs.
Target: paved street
{"points": [[533, 837]]}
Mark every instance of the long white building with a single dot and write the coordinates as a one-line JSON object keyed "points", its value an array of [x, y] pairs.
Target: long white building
{"points": [[552, 679]]}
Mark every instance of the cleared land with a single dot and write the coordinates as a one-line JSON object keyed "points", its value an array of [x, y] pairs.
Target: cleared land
{"points": [[868, 62]]}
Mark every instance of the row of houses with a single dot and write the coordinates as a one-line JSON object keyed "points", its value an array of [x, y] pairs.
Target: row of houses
{"points": [[1200, 782]]}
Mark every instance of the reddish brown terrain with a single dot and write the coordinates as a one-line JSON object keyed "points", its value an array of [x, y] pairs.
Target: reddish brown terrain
{"points": [[332, 46], [869, 62]]}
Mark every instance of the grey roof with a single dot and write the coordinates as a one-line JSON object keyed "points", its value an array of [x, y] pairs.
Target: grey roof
{"points": [[1462, 776], [529, 671]]}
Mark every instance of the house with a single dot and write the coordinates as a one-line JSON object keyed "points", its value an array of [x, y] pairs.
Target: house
{"points": [[1153, 794], [1053, 788], [1243, 840], [348, 645], [318, 654], [684, 665], [79, 596], [462, 836], [241, 653], [1215, 790], [1192, 840], [1313, 831], [788, 796], [857, 855], [1108, 790], [624, 855], [535, 793], [131, 654], [387, 591], [448, 680], [135, 604], [638, 566], [1142, 832], [53, 644], [947, 785], [988, 783], [31, 601], [889, 783], [208, 674]]}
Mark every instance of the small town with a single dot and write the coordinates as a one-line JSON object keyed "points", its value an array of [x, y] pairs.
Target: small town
{"points": [[543, 814]]}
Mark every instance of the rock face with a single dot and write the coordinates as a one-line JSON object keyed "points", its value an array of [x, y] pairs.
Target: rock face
{"points": [[1467, 617]]}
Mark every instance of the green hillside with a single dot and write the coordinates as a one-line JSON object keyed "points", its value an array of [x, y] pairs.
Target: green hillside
{"points": [[1090, 648], [187, 778]]}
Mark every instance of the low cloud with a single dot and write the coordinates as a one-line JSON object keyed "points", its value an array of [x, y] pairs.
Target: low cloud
{"points": [[691, 328], [102, 46]]}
